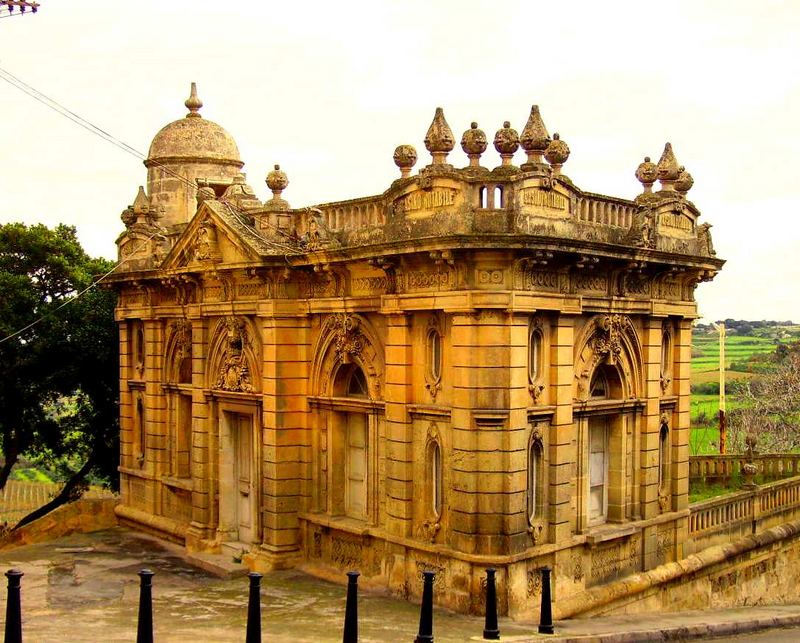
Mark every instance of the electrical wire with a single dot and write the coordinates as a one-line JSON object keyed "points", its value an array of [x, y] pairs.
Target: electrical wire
{"points": [[98, 131], [34, 93], [76, 296]]}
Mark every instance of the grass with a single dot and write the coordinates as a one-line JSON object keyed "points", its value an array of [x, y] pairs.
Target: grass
{"points": [[30, 474], [700, 491]]}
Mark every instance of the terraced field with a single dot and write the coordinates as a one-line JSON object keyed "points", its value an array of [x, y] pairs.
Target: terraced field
{"points": [[739, 349]]}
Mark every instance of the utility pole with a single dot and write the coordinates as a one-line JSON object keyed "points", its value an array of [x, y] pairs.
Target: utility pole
{"points": [[21, 6], [722, 419]]}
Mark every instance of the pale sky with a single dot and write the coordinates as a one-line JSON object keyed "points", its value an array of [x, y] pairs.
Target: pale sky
{"points": [[329, 89]]}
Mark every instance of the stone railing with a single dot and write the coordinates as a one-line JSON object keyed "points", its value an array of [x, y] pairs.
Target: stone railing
{"points": [[772, 466], [352, 215], [742, 513], [595, 209]]}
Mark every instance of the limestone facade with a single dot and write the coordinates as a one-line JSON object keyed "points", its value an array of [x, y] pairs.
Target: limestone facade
{"points": [[477, 367]]}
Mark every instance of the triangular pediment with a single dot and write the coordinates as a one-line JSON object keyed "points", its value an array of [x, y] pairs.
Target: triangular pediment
{"points": [[212, 239]]}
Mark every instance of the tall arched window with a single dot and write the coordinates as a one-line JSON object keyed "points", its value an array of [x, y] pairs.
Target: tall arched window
{"points": [[435, 475], [433, 358], [139, 433], [535, 481], [535, 353], [483, 200], [666, 361], [663, 459]]}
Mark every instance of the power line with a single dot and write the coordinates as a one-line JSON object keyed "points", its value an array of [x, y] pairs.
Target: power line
{"points": [[98, 131], [75, 297]]}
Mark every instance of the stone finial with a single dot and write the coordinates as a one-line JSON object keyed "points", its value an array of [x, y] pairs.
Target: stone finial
{"points": [[141, 204], [405, 157], [557, 153], [684, 181], [277, 181], [439, 140], [506, 142], [534, 138], [646, 173], [473, 142], [668, 168], [193, 103]]}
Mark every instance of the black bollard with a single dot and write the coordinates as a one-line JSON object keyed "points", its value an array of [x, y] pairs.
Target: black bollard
{"points": [[13, 607], [254, 609], [425, 634], [144, 631], [351, 609], [490, 629], [546, 613]]}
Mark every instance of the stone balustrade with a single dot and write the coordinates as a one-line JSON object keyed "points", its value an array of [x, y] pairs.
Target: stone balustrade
{"points": [[604, 211], [352, 215], [772, 466], [742, 513]]}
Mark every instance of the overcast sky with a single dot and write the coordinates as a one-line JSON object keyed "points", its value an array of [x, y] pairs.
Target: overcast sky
{"points": [[328, 89]]}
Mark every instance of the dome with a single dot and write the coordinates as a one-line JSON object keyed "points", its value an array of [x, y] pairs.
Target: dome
{"points": [[194, 138]]}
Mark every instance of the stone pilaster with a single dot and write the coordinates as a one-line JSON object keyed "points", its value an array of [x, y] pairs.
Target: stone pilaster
{"points": [[564, 481], [399, 443], [286, 439]]}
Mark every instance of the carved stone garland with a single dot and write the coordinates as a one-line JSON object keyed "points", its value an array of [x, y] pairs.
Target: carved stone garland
{"points": [[348, 342], [234, 374]]}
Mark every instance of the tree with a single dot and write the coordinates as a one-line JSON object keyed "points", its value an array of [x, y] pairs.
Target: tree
{"points": [[58, 396], [771, 407]]}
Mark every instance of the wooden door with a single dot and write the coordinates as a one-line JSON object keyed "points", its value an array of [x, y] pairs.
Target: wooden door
{"points": [[243, 477]]}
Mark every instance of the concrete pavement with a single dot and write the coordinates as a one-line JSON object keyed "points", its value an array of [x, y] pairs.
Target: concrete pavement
{"points": [[85, 587]]}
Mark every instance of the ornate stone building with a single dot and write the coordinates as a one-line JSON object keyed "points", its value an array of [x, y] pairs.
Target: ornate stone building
{"points": [[477, 367]]}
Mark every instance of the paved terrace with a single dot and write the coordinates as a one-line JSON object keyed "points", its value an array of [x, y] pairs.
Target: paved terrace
{"points": [[85, 587]]}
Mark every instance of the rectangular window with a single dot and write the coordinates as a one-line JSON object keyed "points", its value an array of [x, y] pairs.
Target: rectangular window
{"points": [[356, 482], [598, 470]]}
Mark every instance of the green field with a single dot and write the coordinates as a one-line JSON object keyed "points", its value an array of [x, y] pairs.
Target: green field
{"points": [[739, 349]]}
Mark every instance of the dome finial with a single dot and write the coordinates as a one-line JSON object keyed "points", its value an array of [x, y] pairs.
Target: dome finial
{"points": [[193, 103]]}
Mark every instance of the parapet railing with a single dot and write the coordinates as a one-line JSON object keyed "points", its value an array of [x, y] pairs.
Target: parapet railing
{"points": [[595, 209], [770, 466], [746, 511]]}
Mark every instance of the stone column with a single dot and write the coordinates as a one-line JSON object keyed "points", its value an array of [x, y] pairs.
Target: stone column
{"points": [[286, 440], [399, 444]]}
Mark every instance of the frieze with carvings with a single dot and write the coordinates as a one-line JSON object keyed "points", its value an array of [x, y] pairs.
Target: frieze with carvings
{"points": [[418, 280], [590, 282], [370, 285], [489, 277], [346, 552]]}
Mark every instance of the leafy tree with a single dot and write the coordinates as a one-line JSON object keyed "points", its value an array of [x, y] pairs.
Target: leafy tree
{"points": [[771, 407], [58, 396]]}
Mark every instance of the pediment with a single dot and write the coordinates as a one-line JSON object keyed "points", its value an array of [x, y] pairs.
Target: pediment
{"points": [[210, 241]]}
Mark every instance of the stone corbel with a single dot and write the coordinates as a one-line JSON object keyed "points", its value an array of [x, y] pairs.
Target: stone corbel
{"points": [[440, 257], [389, 267]]}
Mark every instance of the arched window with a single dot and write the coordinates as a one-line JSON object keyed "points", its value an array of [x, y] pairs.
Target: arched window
{"points": [[434, 355], [498, 196], [535, 480], [599, 387], [139, 433], [482, 197], [435, 474], [357, 383], [137, 351], [535, 354], [666, 361], [663, 459]]}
